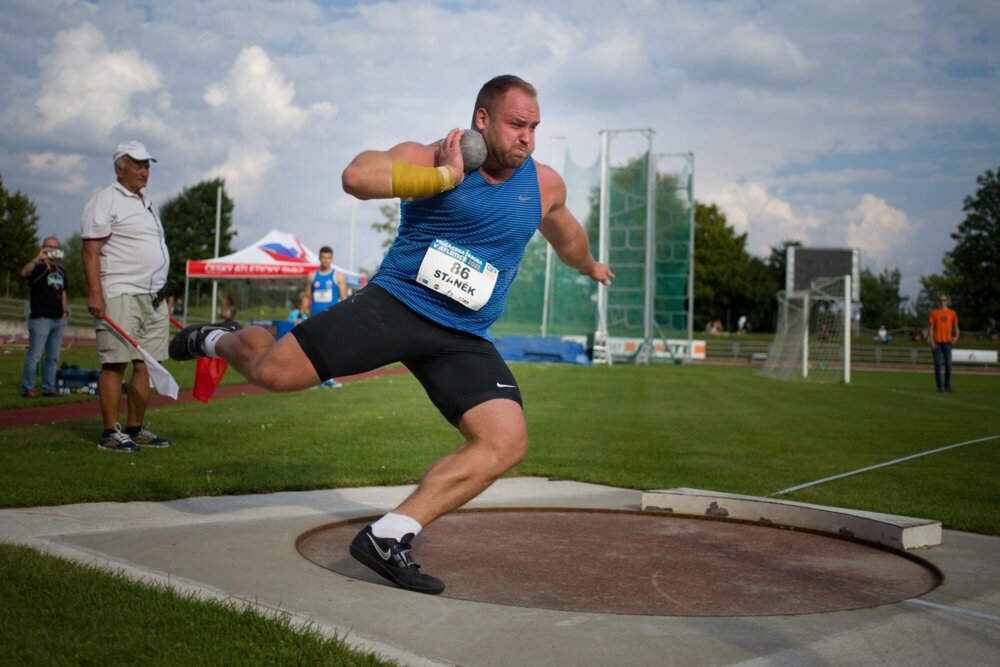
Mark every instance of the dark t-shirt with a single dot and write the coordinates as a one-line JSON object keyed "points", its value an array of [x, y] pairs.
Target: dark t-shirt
{"points": [[46, 291]]}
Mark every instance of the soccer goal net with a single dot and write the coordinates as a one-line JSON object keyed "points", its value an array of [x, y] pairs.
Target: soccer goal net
{"points": [[813, 337]]}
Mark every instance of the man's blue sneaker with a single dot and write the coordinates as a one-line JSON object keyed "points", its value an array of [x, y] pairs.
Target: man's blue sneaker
{"points": [[117, 441], [146, 438]]}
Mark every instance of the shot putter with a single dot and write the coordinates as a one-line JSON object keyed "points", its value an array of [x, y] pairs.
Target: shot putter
{"points": [[473, 149]]}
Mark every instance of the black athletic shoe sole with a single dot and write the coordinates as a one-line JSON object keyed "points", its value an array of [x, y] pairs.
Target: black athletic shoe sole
{"points": [[180, 345], [410, 578]]}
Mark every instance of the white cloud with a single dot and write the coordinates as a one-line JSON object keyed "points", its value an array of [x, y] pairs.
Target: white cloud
{"points": [[767, 219], [878, 229], [263, 101], [872, 225], [86, 85], [747, 55], [63, 172], [244, 171], [256, 91], [836, 179]]}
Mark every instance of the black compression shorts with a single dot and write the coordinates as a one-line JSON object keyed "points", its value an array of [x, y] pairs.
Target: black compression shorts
{"points": [[372, 328]]}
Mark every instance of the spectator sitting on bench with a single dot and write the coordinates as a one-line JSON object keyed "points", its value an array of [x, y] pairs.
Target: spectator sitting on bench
{"points": [[882, 336]]}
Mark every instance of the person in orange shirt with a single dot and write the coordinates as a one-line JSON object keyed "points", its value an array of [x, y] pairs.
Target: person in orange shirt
{"points": [[944, 333]]}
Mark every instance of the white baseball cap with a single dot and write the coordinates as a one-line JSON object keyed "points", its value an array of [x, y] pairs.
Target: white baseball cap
{"points": [[135, 150]]}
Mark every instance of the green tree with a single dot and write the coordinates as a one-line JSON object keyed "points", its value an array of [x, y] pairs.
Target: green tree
{"points": [[972, 268], [880, 300], [764, 287], [930, 287], [19, 231], [777, 261], [388, 226], [759, 299], [189, 224], [722, 287], [73, 263]]}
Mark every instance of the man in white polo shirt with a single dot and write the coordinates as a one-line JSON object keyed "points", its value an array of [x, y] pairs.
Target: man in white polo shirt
{"points": [[125, 260]]}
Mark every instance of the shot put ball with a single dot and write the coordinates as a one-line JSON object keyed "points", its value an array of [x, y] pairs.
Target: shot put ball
{"points": [[473, 150]]}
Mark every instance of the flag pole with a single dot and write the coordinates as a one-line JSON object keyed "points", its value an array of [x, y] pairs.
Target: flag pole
{"points": [[159, 377]]}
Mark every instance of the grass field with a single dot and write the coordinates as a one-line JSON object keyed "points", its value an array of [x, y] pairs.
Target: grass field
{"points": [[711, 427], [12, 363], [59, 613]]}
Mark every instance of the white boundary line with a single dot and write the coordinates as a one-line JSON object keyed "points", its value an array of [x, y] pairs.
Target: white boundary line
{"points": [[881, 465], [956, 610]]}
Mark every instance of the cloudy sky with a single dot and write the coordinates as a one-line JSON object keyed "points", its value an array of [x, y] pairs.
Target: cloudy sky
{"points": [[847, 123]]}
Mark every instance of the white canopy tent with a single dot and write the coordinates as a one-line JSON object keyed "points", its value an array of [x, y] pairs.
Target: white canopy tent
{"points": [[276, 256]]}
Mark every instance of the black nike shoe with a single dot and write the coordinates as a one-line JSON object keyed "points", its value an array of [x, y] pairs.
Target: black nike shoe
{"points": [[392, 559], [188, 343]]}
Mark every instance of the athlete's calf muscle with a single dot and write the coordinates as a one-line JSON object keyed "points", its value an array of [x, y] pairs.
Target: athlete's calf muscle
{"points": [[274, 365]]}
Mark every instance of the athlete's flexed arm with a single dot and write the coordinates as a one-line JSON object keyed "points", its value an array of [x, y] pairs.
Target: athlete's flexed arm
{"points": [[409, 170]]}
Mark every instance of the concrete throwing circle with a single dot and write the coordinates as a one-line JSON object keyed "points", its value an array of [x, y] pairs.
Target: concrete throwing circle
{"points": [[628, 562]]}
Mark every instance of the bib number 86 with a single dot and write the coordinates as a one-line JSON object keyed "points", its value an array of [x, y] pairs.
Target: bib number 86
{"points": [[460, 270]]}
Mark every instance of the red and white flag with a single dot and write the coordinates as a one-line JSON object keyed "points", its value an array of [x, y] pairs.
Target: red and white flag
{"points": [[159, 377], [207, 376]]}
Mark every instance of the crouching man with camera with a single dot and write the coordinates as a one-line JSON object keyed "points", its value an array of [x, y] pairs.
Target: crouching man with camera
{"points": [[47, 317]]}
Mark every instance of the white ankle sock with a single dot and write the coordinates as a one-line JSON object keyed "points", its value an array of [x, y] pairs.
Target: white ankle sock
{"points": [[208, 346], [395, 526]]}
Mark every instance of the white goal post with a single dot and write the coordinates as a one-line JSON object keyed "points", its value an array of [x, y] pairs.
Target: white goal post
{"points": [[813, 337]]}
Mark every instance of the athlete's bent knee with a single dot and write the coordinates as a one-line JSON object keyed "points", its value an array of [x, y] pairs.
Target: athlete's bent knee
{"points": [[508, 449], [497, 429]]}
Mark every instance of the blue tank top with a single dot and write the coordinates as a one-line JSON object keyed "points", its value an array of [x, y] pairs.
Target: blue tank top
{"points": [[491, 223], [323, 291]]}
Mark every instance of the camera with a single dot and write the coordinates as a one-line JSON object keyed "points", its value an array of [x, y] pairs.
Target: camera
{"points": [[55, 253]]}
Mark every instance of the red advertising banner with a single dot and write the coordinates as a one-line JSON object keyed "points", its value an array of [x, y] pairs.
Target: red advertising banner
{"points": [[206, 269]]}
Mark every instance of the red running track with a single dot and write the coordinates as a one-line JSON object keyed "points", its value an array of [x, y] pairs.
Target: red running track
{"points": [[60, 412]]}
